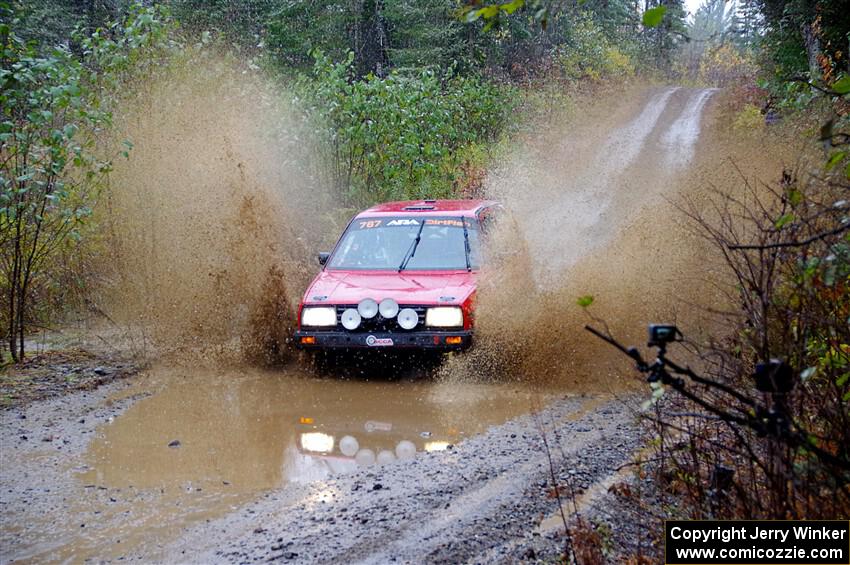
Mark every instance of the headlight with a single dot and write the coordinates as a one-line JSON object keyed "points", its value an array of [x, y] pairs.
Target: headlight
{"points": [[318, 442], [322, 316], [444, 317]]}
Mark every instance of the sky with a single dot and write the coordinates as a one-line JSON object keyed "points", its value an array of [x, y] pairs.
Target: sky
{"points": [[692, 5]]}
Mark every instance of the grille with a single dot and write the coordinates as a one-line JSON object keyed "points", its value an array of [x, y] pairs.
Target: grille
{"points": [[379, 324]]}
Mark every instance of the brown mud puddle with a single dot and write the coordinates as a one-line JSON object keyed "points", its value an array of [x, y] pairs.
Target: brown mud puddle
{"points": [[208, 441]]}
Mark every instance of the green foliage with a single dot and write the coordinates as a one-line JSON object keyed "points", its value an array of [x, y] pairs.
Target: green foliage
{"points": [[749, 120], [797, 32], [54, 106], [241, 21], [493, 14], [428, 33], [48, 23], [653, 16], [296, 29], [402, 136], [589, 54], [842, 85], [409, 33], [748, 24]]}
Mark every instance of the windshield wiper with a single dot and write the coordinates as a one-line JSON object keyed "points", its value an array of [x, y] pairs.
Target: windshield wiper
{"points": [[466, 243], [411, 251]]}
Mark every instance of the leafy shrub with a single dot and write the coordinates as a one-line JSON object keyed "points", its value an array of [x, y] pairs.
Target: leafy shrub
{"points": [[55, 108], [399, 137], [589, 53], [749, 119], [725, 65], [617, 63]]}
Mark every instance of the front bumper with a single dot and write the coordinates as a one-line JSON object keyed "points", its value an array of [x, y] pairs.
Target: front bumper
{"points": [[432, 341]]}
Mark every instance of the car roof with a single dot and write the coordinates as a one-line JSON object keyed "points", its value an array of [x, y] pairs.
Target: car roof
{"points": [[427, 208]]}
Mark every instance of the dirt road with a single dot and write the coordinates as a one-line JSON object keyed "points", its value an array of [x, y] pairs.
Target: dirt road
{"points": [[202, 465], [100, 476]]}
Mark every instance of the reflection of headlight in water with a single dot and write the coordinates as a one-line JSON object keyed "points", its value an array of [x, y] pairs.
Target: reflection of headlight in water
{"points": [[365, 457], [318, 442], [436, 445], [405, 449], [349, 445]]}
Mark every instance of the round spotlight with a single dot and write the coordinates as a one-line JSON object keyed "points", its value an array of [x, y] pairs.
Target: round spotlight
{"points": [[349, 445], [367, 308], [388, 308], [385, 456], [350, 319], [407, 318], [365, 457], [405, 449]]}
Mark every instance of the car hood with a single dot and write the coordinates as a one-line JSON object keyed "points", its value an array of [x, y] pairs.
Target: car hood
{"points": [[408, 287]]}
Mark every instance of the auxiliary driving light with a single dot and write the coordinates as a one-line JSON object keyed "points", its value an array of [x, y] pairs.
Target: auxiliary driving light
{"points": [[321, 316], [444, 317], [405, 449], [408, 318], [388, 308], [367, 308], [350, 319], [365, 457], [349, 445]]}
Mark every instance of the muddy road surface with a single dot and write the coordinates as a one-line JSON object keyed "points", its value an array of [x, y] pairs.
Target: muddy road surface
{"points": [[237, 459], [194, 465], [100, 474]]}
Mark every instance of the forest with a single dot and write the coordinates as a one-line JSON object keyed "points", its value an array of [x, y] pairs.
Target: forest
{"points": [[385, 100], [405, 99]]}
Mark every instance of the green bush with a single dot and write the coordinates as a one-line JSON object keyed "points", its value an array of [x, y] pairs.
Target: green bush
{"points": [[749, 120], [588, 53], [54, 110], [399, 137]]}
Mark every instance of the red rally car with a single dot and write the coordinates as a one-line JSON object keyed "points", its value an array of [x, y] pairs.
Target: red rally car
{"points": [[403, 275]]}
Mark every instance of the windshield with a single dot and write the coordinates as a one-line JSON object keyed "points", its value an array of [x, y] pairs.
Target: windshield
{"points": [[390, 243]]}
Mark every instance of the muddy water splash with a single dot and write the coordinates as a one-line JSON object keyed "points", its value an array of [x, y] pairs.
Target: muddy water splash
{"points": [[564, 198], [205, 215], [594, 219]]}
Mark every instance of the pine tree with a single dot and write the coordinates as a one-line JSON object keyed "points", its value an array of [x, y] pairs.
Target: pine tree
{"points": [[749, 23], [423, 33]]}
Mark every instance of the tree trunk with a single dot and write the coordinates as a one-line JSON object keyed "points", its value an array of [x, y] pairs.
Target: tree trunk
{"points": [[372, 53], [21, 294], [13, 294], [812, 43], [13, 320]]}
